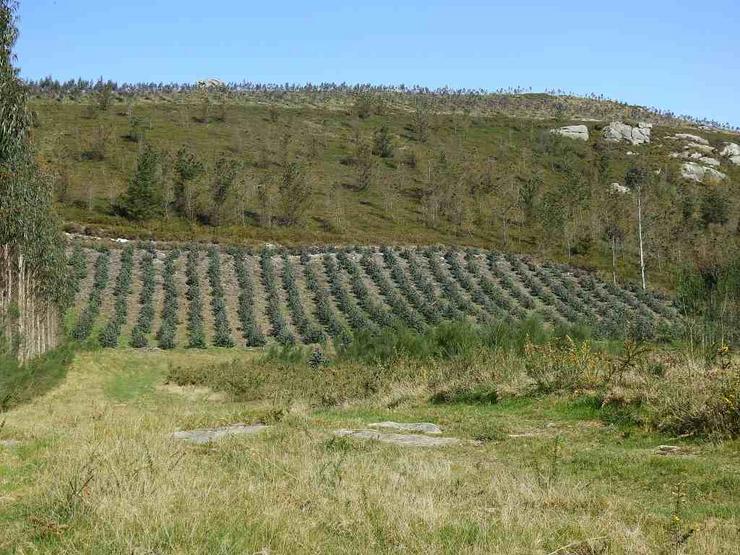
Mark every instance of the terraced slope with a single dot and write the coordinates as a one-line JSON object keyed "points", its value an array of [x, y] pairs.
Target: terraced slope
{"points": [[198, 297]]}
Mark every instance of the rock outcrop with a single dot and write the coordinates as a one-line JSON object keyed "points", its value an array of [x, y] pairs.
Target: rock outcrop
{"points": [[579, 132], [732, 151], [619, 188], [210, 84], [690, 137], [617, 131], [701, 174], [697, 147]]}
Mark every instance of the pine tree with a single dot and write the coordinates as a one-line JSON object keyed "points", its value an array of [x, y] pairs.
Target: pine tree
{"points": [[382, 143], [143, 198]]}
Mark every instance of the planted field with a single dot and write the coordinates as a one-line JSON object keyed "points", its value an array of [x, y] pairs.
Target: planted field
{"points": [[197, 297]]}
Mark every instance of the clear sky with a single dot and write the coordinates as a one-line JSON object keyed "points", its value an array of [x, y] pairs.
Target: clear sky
{"points": [[682, 55]]}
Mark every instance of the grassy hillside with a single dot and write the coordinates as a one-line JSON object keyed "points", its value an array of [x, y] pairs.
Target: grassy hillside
{"points": [[461, 169]]}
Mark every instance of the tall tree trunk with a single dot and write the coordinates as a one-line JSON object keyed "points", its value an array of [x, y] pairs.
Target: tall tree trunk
{"points": [[639, 226]]}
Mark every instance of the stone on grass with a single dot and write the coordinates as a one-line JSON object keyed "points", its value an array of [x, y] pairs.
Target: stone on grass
{"points": [[670, 450], [9, 443], [406, 440], [422, 427], [572, 132], [206, 435]]}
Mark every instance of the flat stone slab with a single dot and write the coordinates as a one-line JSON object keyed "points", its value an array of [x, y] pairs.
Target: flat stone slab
{"points": [[407, 440], [666, 450], [421, 427], [207, 435], [9, 443]]}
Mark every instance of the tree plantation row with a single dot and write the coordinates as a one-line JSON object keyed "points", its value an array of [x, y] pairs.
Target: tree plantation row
{"points": [[199, 296]]}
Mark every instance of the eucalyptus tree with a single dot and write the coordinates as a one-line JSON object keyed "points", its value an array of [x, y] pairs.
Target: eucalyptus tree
{"points": [[33, 272], [636, 178]]}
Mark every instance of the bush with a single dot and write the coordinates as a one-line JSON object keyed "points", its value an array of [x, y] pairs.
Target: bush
{"points": [[696, 402], [474, 395], [564, 366]]}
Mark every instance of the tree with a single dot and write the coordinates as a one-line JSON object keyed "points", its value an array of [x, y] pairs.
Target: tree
{"points": [[635, 179], [382, 143], [365, 166], [420, 122], [294, 194], [528, 192], [34, 284], [188, 168], [103, 94], [225, 172], [143, 198], [714, 208]]}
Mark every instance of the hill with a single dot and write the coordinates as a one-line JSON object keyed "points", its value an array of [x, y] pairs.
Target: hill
{"points": [[339, 165]]}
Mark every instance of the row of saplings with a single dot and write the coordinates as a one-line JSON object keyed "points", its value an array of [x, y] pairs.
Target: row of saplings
{"points": [[466, 290]]}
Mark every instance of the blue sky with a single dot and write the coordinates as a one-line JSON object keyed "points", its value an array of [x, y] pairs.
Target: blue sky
{"points": [[681, 55]]}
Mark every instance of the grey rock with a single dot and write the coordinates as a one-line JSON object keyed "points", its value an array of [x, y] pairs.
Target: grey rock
{"points": [[690, 137], [709, 161], [704, 149], [572, 132], [9, 443], [406, 440], [422, 427], [617, 131], [735, 160], [701, 174], [206, 435], [619, 188]]}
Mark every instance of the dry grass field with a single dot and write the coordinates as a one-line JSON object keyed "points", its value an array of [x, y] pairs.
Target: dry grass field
{"points": [[96, 470]]}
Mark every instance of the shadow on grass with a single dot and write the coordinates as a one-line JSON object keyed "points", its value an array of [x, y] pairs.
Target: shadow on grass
{"points": [[20, 384]]}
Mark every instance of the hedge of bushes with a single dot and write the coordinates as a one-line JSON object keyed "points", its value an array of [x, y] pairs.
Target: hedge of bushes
{"points": [[251, 332], [280, 330], [145, 318], [222, 335], [109, 335], [168, 326], [86, 320]]}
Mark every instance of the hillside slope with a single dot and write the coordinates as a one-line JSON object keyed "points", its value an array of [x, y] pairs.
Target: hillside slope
{"points": [[305, 167]]}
